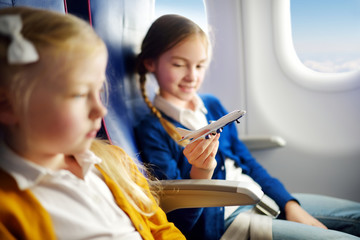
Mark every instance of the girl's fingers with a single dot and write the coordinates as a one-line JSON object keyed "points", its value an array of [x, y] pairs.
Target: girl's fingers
{"points": [[190, 147], [197, 148], [202, 153], [207, 159]]}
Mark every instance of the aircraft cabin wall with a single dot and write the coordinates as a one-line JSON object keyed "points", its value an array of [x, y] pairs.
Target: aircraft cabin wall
{"points": [[254, 67]]}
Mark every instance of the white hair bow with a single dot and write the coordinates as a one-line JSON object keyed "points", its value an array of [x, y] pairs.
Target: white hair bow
{"points": [[20, 50]]}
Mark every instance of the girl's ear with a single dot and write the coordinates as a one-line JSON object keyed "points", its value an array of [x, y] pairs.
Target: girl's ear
{"points": [[7, 112], [149, 65]]}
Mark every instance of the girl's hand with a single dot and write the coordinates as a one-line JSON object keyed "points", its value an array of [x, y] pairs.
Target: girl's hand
{"points": [[294, 212], [201, 155]]}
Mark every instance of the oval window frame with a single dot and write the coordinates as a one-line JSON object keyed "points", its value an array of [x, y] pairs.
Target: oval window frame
{"points": [[292, 66]]}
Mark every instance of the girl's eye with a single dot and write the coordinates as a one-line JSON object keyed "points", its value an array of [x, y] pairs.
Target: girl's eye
{"points": [[177, 65], [79, 95]]}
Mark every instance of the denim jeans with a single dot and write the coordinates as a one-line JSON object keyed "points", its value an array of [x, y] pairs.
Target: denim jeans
{"points": [[342, 217]]}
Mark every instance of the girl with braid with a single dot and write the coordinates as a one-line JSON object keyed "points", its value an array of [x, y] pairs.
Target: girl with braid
{"points": [[177, 52]]}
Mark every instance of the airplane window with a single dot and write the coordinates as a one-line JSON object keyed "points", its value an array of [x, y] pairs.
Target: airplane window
{"points": [[326, 34], [192, 9], [325, 37]]}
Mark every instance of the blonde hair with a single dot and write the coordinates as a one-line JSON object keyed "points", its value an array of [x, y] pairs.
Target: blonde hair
{"points": [[58, 37], [166, 32], [123, 170]]}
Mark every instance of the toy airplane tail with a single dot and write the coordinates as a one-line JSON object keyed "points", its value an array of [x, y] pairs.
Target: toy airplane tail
{"points": [[183, 132]]}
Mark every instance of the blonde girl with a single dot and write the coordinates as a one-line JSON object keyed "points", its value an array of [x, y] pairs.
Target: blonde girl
{"points": [[176, 51], [52, 186]]}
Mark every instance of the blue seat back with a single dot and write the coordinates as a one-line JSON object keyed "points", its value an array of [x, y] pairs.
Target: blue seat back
{"points": [[122, 24], [55, 5]]}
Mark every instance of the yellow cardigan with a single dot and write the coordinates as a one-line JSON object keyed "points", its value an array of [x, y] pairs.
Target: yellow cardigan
{"points": [[23, 217]]}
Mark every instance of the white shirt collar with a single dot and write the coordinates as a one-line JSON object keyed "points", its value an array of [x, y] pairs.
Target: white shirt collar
{"points": [[190, 119], [28, 174]]}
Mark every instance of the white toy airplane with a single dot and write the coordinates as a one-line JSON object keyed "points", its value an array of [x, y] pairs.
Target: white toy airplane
{"points": [[213, 128]]}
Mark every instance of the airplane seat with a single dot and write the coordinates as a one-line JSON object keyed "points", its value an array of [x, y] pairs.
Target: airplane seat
{"points": [[122, 24]]}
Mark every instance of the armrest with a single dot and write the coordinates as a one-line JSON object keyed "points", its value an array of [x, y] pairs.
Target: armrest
{"points": [[263, 142], [207, 193]]}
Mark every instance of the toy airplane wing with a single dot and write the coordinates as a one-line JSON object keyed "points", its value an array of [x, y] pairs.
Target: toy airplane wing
{"points": [[212, 128]]}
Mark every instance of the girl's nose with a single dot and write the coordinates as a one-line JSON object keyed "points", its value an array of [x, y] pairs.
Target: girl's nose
{"points": [[98, 109], [191, 74]]}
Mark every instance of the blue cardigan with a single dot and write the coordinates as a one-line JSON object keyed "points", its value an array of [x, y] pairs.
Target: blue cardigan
{"points": [[168, 162]]}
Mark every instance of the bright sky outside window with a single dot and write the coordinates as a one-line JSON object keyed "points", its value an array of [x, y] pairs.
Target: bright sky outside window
{"points": [[326, 34]]}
